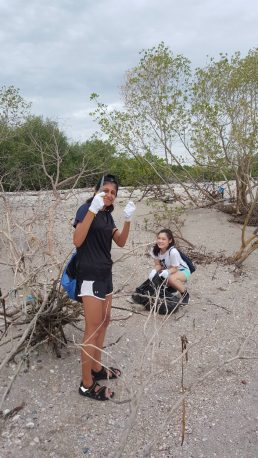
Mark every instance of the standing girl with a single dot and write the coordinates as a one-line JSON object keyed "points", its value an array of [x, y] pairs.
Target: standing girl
{"points": [[94, 231], [170, 265]]}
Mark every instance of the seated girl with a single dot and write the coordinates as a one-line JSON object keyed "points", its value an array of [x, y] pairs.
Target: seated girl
{"points": [[170, 265]]}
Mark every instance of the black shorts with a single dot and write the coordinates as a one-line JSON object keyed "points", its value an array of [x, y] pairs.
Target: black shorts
{"points": [[97, 288]]}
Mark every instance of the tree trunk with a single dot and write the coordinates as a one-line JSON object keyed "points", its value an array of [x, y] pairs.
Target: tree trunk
{"points": [[242, 187]]}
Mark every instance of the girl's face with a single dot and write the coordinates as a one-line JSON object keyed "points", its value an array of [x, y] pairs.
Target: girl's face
{"points": [[110, 193], [163, 241]]}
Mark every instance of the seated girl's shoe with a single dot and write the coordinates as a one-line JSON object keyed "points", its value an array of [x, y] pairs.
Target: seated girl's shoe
{"points": [[185, 298]]}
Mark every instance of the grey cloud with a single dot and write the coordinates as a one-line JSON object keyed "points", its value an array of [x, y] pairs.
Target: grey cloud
{"points": [[59, 51]]}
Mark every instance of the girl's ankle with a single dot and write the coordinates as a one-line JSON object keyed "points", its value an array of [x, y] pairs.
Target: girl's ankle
{"points": [[87, 383], [96, 370]]}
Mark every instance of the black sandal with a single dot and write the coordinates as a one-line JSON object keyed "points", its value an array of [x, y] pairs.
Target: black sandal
{"points": [[99, 395], [103, 373]]}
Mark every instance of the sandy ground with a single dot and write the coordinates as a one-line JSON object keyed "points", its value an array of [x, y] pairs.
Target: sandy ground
{"points": [[221, 403]]}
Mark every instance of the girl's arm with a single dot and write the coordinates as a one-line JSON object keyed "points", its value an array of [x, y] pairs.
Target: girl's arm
{"points": [[157, 269], [172, 269], [158, 266], [83, 225], [82, 229], [120, 238]]}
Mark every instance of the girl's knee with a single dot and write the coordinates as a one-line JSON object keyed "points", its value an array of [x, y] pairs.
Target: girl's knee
{"points": [[172, 281]]}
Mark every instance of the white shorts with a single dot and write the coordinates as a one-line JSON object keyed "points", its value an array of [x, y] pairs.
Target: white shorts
{"points": [[98, 288]]}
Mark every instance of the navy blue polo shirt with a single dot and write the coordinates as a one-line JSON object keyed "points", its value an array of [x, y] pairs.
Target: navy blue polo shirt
{"points": [[94, 255]]}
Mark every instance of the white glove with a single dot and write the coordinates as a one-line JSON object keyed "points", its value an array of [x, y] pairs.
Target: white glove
{"points": [[152, 274], [129, 210], [97, 203], [164, 274]]}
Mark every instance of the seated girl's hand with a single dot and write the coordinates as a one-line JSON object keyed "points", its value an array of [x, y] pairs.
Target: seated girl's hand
{"points": [[152, 274], [164, 274]]}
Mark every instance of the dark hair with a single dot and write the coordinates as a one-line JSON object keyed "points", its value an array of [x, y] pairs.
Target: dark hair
{"points": [[102, 180], [170, 236], [107, 179]]}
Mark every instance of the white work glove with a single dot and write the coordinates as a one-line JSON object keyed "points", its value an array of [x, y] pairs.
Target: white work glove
{"points": [[129, 211], [152, 274], [97, 203], [164, 274]]}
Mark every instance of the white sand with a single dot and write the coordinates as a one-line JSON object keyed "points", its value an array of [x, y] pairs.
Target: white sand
{"points": [[221, 408]]}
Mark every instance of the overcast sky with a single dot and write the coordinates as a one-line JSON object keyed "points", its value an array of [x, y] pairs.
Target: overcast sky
{"points": [[57, 52]]}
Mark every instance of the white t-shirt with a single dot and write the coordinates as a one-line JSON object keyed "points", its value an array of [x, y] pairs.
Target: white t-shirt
{"points": [[171, 258]]}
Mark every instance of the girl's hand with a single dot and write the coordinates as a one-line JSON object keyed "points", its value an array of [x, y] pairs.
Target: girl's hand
{"points": [[129, 211], [152, 274], [164, 274], [97, 203]]}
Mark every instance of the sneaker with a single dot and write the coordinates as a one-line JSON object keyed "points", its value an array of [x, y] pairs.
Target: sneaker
{"points": [[185, 298]]}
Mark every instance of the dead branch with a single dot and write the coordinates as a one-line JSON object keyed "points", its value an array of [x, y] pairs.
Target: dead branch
{"points": [[238, 355], [24, 336]]}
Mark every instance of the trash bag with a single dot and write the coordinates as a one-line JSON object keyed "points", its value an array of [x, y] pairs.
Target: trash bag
{"points": [[143, 293], [167, 304], [146, 295]]}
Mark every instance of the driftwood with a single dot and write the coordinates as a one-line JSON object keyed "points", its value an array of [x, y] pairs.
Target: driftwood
{"points": [[43, 320]]}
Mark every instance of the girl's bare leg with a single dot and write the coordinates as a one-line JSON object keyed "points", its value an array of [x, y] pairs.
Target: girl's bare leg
{"points": [[177, 281], [93, 314], [106, 312]]}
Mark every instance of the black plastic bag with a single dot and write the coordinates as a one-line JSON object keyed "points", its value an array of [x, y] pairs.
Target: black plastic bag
{"points": [[146, 294], [143, 293], [167, 303]]}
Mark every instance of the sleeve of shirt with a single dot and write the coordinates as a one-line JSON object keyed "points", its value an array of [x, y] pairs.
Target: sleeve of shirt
{"points": [[174, 258], [114, 230], [80, 214]]}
